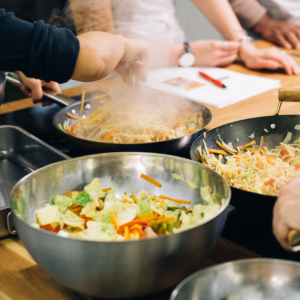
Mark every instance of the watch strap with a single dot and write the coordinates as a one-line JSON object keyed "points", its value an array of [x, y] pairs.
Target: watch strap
{"points": [[187, 47]]}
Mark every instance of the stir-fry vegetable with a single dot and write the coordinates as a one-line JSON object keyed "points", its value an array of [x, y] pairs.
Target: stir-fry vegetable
{"points": [[258, 169], [98, 214]]}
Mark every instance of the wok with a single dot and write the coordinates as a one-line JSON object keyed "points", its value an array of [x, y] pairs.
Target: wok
{"points": [[177, 146], [118, 270], [241, 130], [2, 86], [246, 279]]}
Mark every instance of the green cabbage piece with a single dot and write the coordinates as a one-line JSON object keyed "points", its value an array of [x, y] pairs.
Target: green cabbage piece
{"points": [[110, 196], [207, 195], [172, 208], [176, 176], [192, 121], [247, 173], [83, 199], [143, 207], [106, 218], [109, 229], [62, 202]]}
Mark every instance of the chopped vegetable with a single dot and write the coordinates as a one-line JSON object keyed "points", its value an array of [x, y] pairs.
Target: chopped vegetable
{"points": [[270, 182], [214, 151], [176, 176], [165, 220], [297, 166], [60, 127], [287, 138], [154, 182], [62, 202], [110, 134], [83, 199], [114, 219], [225, 148], [191, 185], [143, 207], [175, 200], [73, 117], [247, 145]]}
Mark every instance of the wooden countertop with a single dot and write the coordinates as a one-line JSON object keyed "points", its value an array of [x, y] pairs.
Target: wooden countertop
{"points": [[22, 278]]}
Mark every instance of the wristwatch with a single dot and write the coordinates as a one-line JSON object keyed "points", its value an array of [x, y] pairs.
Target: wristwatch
{"points": [[187, 59]]}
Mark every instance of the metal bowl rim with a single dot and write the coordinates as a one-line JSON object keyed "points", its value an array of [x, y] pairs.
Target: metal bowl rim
{"points": [[226, 265], [125, 145], [119, 154]]}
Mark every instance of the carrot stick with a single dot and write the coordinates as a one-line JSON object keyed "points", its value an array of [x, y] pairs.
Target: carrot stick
{"points": [[175, 200], [82, 102], [239, 153], [270, 161], [77, 209], [217, 151], [249, 144], [148, 217], [261, 142], [221, 146], [162, 203], [114, 219], [261, 164], [139, 230], [192, 130], [165, 220], [126, 201], [106, 190], [131, 223], [251, 149], [126, 233], [133, 196], [154, 182], [110, 134], [73, 117]]}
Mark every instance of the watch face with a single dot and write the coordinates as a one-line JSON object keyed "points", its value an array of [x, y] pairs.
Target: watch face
{"points": [[187, 60]]}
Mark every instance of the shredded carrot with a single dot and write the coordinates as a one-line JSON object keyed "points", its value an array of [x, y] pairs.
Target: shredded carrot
{"points": [[239, 171], [262, 151], [261, 142], [249, 144], [79, 208], [114, 219], [251, 149], [217, 151], [270, 161], [165, 220], [82, 102], [106, 190], [73, 128], [202, 159], [239, 152], [133, 197], [70, 192], [147, 217], [73, 117], [261, 164], [221, 146], [270, 182], [49, 227], [126, 233], [126, 201], [175, 200], [192, 130], [297, 166], [110, 134], [162, 203], [154, 182]]}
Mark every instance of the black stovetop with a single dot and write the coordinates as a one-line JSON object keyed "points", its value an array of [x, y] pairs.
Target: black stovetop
{"points": [[250, 230]]}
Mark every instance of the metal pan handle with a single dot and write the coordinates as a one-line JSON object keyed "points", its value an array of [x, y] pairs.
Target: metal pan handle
{"points": [[48, 93], [9, 222], [287, 95], [294, 240]]}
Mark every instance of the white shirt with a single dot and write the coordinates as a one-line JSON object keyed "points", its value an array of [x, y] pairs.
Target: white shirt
{"points": [[283, 10], [149, 19]]}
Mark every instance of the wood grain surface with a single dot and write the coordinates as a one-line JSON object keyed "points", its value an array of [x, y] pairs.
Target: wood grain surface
{"points": [[22, 278]]}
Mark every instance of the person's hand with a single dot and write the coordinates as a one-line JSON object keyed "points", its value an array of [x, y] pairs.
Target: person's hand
{"points": [[101, 53], [213, 53], [270, 58], [283, 33], [286, 213], [33, 88]]}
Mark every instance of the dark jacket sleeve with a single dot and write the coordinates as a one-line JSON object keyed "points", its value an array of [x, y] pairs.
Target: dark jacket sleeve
{"points": [[37, 49]]}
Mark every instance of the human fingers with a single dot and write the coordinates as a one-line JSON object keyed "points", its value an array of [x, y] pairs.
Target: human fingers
{"points": [[294, 64], [135, 47], [280, 230], [282, 41], [225, 61], [293, 39], [140, 68], [26, 91], [262, 63], [52, 85]]}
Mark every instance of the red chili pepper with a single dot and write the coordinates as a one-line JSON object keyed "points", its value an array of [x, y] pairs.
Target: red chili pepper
{"points": [[270, 182], [50, 228], [282, 151], [297, 166]]}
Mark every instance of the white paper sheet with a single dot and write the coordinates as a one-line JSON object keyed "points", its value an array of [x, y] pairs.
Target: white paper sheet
{"points": [[239, 86]]}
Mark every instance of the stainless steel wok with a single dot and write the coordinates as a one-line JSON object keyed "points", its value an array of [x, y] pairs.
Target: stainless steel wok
{"points": [[247, 279], [118, 270], [2, 86]]}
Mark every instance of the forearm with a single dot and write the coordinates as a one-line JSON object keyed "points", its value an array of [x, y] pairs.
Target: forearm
{"points": [[221, 16], [98, 56]]}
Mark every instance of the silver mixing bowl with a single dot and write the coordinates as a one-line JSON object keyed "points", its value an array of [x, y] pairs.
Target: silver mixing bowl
{"points": [[2, 86], [118, 270], [247, 279]]}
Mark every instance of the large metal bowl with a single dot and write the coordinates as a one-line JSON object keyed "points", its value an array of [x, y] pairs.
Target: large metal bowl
{"points": [[2, 86], [247, 279], [118, 269]]}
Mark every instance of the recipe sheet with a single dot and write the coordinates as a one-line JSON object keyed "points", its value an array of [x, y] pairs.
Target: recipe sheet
{"points": [[187, 83]]}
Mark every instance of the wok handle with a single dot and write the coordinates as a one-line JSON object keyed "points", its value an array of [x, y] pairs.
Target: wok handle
{"points": [[294, 240], [287, 95], [48, 93]]}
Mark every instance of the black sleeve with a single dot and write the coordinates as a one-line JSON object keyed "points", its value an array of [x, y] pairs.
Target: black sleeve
{"points": [[38, 50]]}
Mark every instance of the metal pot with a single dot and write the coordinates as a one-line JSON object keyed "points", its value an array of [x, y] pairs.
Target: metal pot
{"points": [[2, 86], [118, 270], [247, 279]]}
